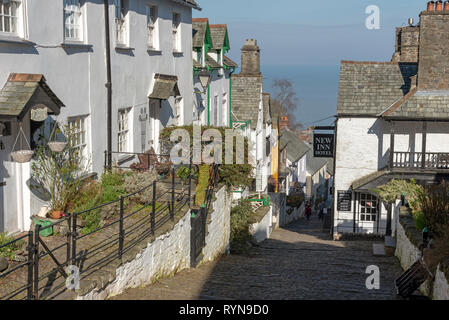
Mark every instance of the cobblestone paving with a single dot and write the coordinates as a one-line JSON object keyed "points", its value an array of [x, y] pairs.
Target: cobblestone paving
{"points": [[298, 262]]}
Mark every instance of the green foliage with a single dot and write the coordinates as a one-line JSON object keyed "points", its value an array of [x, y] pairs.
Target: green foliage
{"points": [[236, 175], [434, 203], [184, 172], [9, 250], [58, 174], [203, 182], [420, 221], [295, 200], [241, 218], [395, 188]]}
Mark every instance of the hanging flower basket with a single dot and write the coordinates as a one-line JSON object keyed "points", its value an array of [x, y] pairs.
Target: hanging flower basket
{"points": [[22, 156], [56, 146]]}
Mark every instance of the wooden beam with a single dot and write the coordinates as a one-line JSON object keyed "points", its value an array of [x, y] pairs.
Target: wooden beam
{"points": [[391, 144], [424, 144]]}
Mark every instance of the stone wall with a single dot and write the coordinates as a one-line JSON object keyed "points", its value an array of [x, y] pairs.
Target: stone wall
{"points": [[294, 215], [262, 228], [218, 227], [168, 254], [408, 239], [279, 204]]}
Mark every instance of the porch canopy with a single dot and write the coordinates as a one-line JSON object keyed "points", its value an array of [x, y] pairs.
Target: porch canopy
{"points": [[24, 92], [164, 87]]}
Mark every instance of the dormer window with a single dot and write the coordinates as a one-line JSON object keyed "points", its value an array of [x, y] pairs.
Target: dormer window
{"points": [[11, 17], [73, 28]]}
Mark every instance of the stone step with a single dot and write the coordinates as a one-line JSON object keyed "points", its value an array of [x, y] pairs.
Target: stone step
{"points": [[390, 242], [379, 249]]}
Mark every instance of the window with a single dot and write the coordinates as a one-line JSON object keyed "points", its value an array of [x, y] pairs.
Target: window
{"points": [[123, 130], [224, 102], [216, 112], [73, 29], [152, 28], [78, 130], [120, 22], [369, 207], [9, 16], [176, 36]]}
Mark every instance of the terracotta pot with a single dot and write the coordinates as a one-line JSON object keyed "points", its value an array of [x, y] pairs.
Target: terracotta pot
{"points": [[56, 214]]}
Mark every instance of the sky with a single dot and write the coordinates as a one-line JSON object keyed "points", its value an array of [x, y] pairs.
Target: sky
{"points": [[305, 40]]}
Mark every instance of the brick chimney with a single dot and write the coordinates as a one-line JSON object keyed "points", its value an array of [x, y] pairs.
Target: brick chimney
{"points": [[434, 48], [407, 44], [283, 123], [250, 57]]}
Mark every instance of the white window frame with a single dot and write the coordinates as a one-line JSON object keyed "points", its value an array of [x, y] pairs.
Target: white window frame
{"points": [[79, 128], [224, 104], [121, 23], [176, 31], [369, 213], [123, 130], [18, 16], [153, 26], [73, 10], [179, 110]]}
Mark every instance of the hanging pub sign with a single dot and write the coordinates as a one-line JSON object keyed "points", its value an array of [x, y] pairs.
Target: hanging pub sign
{"points": [[323, 145]]}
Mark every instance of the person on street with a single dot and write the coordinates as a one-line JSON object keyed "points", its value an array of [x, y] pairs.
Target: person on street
{"points": [[308, 211]]}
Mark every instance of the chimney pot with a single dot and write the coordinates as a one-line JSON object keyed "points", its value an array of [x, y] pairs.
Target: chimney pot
{"points": [[439, 6], [431, 6], [446, 5]]}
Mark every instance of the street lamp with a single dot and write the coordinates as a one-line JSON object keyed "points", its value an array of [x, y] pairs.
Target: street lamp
{"points": [[205, 77]]}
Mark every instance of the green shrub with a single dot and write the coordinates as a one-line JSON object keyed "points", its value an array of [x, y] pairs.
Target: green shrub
{"points": [[393, 190], [184, 172], [9, 250], [203, 182], [236, 175], [241, 218], [434, 202]]}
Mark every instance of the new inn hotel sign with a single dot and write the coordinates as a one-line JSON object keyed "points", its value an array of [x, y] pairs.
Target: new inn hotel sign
{"points": [[323, 145]]}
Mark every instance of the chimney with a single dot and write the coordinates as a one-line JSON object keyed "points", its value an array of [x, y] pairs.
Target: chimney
{"points": [[430, 6], [283, 123], [446, 5], [250, 57], [439, 6], [434, 49]]}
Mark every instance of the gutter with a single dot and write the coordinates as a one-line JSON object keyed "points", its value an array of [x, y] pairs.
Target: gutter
{"points": [[108, 82]]}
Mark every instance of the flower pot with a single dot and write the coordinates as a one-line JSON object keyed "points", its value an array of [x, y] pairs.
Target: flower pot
{"points": [[56, 146], [56, 214], [22, 156]]}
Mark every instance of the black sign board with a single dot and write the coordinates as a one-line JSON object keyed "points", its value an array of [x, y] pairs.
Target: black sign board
{"points": [[323, 145], [344, 201]]}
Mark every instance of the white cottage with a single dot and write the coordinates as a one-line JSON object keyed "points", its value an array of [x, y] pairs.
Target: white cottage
{"points": [[393, 122], [61, 50]]}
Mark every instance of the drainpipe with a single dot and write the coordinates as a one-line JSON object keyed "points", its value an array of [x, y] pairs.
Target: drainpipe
{"points": [[208, 103], [108, 82], [230, 98]]}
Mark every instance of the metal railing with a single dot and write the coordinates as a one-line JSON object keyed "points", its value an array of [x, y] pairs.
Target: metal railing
{"points": [[138, 161], [43, 274]]}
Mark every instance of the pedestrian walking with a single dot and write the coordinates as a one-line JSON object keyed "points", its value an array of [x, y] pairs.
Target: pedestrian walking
{"points": [[308, 211], [321, 212]]}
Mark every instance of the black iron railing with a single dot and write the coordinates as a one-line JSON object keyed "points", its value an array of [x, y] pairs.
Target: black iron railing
{"points": [[415, 160], [43, 274]]}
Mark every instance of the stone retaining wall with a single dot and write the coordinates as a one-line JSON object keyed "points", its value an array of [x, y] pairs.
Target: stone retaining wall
{"points": [[165, 256], [408, 240]]}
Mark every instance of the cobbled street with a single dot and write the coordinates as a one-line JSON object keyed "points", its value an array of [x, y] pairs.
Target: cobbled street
{"points": [[298, 262]]}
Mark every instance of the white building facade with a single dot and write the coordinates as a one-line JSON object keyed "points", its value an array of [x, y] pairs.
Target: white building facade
{"points": [[65, 42]]}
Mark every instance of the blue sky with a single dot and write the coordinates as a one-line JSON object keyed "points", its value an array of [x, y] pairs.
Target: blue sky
{"points": [[301, 34]]}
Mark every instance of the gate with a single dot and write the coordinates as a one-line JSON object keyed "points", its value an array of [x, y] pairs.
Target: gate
{"points": [[197, 235]]}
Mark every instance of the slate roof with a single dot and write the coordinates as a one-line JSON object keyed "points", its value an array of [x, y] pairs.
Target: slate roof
{"points": [[212, 63], [229, 63], [296, 148], [426, 105], [369, 88], [199, 26], [164, 86], [196, 64], [218, 34], [315, 164], [246, 98], [22, 91]]}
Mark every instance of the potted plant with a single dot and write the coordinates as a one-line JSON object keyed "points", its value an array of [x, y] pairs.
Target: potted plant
{"points": [[58, 174]]}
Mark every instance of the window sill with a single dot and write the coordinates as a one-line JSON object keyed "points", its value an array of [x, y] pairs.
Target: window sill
{"points": [[78, 44], [178, 53], [15, 39], [154, 50], [123, 47]]}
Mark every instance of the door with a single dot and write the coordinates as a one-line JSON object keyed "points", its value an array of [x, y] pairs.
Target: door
{"points": [[367, 213], [154, 106]]}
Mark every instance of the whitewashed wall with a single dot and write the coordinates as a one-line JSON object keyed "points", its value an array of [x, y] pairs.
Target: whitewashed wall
{"points": [[363, 146], [77, 75]]}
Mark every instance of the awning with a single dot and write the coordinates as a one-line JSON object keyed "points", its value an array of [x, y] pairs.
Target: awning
{"points": [[164, 87], [24, 92]]}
